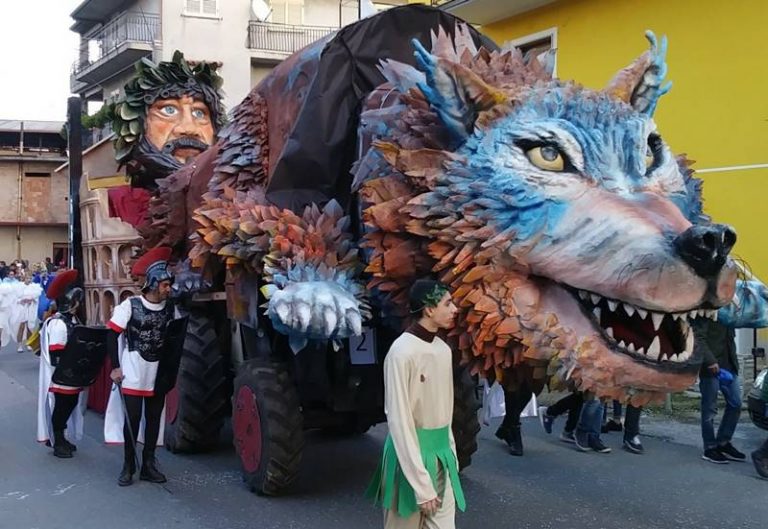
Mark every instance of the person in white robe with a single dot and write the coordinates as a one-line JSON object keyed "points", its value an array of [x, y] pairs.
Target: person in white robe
{"points": [[417, 482]]}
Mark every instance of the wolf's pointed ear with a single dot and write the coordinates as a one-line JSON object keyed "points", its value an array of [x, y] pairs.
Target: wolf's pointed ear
{"points": [[456, 93], [640, 83]]}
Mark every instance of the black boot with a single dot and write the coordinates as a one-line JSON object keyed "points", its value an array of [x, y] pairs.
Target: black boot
{"points": [[149, 471], [61, 447], [129, 466], [515, 441], [126, 474]]}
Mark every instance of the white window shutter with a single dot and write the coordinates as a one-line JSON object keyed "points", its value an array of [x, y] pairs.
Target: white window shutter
{"points": [[210, 7], [193, 6]]}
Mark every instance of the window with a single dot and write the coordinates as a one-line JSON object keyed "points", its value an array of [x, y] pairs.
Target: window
{"points": [[538, 44], [204, 8], [289, 12]]}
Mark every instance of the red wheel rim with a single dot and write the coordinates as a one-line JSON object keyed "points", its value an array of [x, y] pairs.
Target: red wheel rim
{"points": [[172, 406], [246, 424]]}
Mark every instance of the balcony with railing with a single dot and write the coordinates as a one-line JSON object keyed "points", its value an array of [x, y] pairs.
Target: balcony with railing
{"points": [[280, 40], [115, 46]]}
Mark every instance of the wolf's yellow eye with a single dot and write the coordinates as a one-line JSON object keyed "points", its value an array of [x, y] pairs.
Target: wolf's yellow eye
{"points": [[649, 157], [546, 157]]}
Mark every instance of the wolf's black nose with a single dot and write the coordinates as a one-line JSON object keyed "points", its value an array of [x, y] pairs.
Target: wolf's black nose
{"points": [[705, 248]]}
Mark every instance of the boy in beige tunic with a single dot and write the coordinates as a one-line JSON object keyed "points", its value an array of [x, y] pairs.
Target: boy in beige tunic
{"points": [[417, 482]]}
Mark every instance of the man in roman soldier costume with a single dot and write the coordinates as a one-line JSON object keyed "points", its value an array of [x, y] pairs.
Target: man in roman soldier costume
{"points": [[57, 401], [417, 482], [145, 363]]}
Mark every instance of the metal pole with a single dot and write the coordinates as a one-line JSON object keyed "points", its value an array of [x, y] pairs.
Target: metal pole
{"points": [[74, 111], [20, 195]]}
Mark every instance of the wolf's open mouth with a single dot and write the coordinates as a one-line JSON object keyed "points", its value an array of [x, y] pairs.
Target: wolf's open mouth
{"points": [[650, 336]]}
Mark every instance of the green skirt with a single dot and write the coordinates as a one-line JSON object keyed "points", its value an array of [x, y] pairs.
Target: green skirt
{"points": [[389, 487]]}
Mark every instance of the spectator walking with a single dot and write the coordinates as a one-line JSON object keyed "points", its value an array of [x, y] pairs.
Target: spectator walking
{"points": [[719, 374], [572, 405]]}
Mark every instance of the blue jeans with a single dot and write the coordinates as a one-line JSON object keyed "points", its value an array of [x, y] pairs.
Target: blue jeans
{"points": [[591, 419], [710, 387]]}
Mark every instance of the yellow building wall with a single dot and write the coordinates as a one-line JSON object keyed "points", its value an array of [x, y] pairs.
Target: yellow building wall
{"points": [[717, 111]]}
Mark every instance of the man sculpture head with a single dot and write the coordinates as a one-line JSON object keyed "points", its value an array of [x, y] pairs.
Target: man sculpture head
{"points": [[170, 112]]}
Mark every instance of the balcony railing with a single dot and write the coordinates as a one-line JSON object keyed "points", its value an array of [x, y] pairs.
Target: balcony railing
{"points": [[128, 27], [283, 38]]}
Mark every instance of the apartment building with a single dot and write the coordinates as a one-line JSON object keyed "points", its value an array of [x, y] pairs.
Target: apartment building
{"points": [[247, 37], [34, 207]]}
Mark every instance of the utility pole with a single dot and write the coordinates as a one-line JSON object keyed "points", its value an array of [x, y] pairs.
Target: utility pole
{"points": [[75, 138]]}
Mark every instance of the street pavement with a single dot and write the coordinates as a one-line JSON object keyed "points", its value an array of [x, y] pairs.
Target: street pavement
{"points": [[552, 486]]}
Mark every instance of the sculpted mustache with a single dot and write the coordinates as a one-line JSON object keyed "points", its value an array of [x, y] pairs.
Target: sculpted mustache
{"points": [[183, 143]]}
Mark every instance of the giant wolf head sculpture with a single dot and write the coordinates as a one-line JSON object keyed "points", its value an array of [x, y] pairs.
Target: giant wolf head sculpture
{"points": [[571, 235]]}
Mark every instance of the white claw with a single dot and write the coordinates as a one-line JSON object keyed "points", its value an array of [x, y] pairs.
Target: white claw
{"points": [[630, 310], [654, 350], [330, 320], [684, 327], [596, 312], [583, 295], [612, 305], [642, 312], [622, 344], [283, 311], [631, 347], [684, 356], [303, 316], [657, 319], [689, 342], [714, 315], [641, 350], [354, 322], [609, 331], [595, 299]]}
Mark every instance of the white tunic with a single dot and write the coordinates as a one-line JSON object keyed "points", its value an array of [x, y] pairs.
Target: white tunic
{"points": [[138, 375], [53, 337], [418, 383]]}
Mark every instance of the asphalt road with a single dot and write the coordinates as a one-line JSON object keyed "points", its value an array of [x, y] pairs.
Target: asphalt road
{"points": [[553, 486]]}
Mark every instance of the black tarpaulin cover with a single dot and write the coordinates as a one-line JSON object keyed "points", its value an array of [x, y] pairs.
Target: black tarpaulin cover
{"points": [[314, 165]]}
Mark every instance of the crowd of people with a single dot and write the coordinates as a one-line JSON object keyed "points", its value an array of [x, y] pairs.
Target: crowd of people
{"points": [[23, 304]]}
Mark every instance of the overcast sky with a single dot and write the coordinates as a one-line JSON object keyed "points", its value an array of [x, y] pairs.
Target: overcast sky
{"points": [[38, 51]]}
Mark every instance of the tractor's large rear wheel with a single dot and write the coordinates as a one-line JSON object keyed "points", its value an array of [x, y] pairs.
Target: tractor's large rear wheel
{"points": [[197, 406], [466, 425], [267, 426]]}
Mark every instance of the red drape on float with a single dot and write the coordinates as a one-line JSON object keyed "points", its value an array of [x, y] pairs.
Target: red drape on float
{"points": [[129, 204]]}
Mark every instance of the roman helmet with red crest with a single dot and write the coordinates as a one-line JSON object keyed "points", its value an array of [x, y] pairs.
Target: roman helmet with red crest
{"points": [[63, 290], [153, 266]]}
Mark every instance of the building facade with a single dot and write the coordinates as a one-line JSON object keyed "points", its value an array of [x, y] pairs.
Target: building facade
{"points": [[34, 207], [115, 34]]}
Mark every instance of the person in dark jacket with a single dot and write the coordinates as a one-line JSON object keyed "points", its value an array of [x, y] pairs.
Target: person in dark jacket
{"points": [[760, 456], [719, 373]]}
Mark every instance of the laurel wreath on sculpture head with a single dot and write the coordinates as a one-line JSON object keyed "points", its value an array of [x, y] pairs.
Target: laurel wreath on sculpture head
{"points": [[163, 80]]}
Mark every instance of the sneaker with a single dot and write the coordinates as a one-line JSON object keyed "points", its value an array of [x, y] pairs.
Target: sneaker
{"points": [[634, 445], [20, 349], [546, 420], [568, 437], [581, 440], [611, 426], [597, 445], [731, 453], [761, 463], [713, 455]]}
